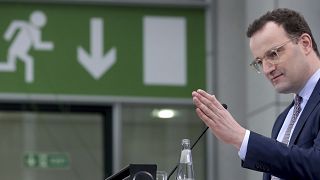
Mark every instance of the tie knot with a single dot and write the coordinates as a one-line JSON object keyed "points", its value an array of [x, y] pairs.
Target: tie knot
{"points": [[297, 99]]}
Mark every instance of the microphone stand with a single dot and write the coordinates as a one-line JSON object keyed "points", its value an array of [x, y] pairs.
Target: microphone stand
{"points": [[175, 168]]}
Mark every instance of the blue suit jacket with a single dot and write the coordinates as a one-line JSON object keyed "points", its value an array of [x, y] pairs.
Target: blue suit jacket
{"points": [[301, 159]]}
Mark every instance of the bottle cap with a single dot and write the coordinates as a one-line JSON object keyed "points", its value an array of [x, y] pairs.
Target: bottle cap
{"points": [[185, 141]]}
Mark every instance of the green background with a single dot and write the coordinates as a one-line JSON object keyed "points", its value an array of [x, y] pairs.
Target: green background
{"points": [[58, 72]]}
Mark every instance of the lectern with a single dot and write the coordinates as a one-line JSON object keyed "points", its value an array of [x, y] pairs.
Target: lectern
{"points": [[136, 172]]}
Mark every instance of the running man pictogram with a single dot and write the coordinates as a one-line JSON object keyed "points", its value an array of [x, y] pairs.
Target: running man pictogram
{"points": [[28, 35]]}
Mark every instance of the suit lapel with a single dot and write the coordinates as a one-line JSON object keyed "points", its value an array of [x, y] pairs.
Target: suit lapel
{"points": [[279, 122], [311, 104]]}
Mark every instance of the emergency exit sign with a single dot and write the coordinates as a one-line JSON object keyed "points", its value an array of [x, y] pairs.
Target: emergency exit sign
{"points": [[46, 160], [81, 50]]}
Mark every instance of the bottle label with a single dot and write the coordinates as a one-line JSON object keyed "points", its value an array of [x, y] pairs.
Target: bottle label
{"points": [[185, 156]]}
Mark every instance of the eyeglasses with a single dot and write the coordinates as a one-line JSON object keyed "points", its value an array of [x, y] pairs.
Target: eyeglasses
{"points": [[271, 56]]}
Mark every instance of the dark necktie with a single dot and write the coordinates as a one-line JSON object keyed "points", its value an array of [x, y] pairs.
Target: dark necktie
{"points": [[295, 114]]}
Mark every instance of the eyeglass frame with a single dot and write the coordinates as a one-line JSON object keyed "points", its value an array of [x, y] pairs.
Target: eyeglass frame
{"points": [[258, 62]]}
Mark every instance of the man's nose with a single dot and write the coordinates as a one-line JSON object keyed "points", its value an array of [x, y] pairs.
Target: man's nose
{"points": [[267, 67]]}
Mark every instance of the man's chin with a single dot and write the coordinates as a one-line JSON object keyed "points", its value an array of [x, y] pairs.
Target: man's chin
{"points": [[283, 89]]}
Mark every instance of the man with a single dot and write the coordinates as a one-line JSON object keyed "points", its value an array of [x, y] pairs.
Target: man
{"points": [[285, 51]]}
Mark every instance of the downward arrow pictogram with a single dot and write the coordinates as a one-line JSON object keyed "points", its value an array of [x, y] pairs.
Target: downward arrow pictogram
{"points": [[96, 63]]}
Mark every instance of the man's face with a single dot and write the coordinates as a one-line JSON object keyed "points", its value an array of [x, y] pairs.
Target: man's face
{"points": [[289, 72]]}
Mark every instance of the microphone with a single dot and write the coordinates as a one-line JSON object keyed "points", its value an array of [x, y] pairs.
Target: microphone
{"points": [[205, 130]]}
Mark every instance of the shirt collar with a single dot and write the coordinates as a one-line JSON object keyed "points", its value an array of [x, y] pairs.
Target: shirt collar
{"points": [[305, 93]]}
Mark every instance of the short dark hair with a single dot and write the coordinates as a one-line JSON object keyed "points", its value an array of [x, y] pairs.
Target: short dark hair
{"points": [[292, 22]]}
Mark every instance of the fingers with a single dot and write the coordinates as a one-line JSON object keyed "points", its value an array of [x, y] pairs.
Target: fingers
{"points": [[210, 98], [205, 118], [217, 118], [204, 100], [208, 108]]}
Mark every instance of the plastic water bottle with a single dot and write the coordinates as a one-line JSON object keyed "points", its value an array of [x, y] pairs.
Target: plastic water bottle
{"points": [[185, 167]]}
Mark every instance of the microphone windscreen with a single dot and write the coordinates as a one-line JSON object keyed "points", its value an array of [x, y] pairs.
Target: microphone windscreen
{"points": [[225, 106]]}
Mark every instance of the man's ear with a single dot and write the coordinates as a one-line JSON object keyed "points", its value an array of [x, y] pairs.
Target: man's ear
{"points": [[306, 42]]}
